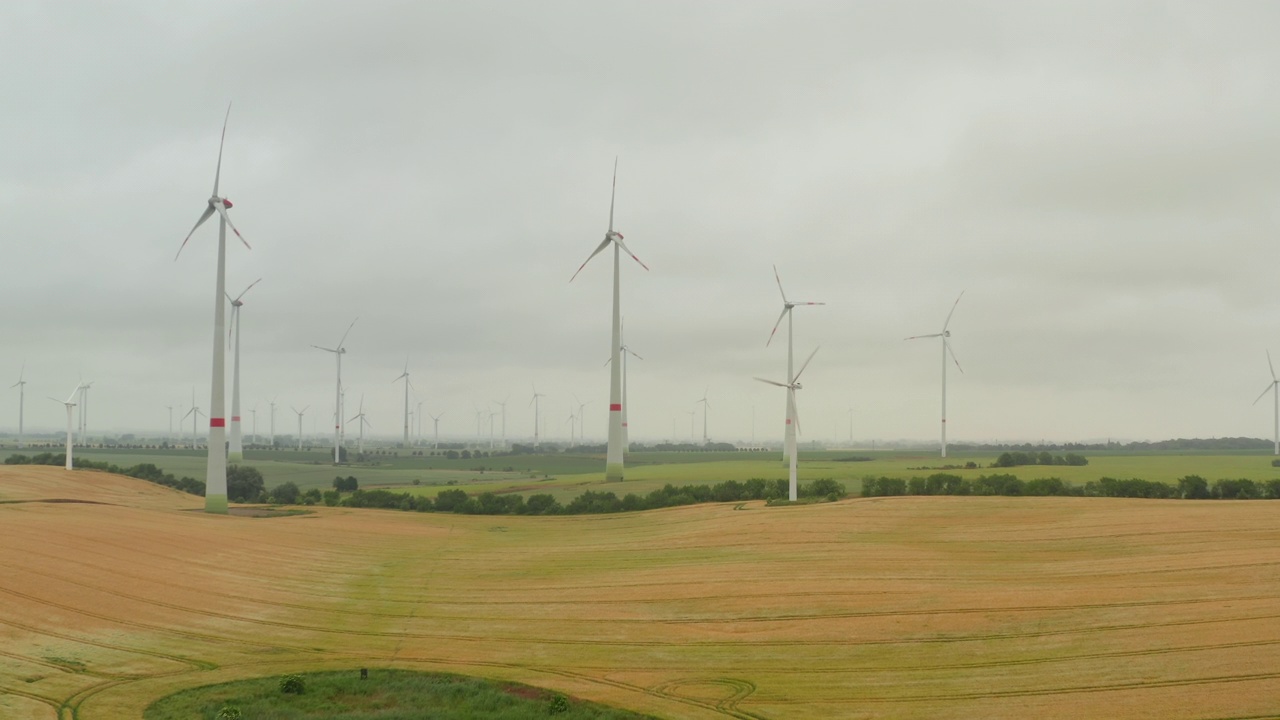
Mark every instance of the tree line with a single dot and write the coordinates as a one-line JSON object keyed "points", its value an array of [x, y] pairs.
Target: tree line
{"points": [[1190, 487]]}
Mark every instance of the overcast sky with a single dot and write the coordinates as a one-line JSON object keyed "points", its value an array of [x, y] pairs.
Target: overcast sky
{"points": [[1102, 179]]}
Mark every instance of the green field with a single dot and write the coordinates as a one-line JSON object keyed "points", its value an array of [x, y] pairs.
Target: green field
{"points": [[566, 475]]}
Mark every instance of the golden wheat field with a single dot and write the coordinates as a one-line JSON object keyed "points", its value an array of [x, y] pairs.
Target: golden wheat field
{"points": [[883, 608]]}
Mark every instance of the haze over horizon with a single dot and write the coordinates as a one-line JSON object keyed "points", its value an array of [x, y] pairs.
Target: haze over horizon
{"points": [[1100, 179]]}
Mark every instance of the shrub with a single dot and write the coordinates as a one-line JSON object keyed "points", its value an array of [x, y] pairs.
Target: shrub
{"points": [[229, 712], [1193, 487], [557, 704], [286, 493], [292, 684], [824, 487], [244, 484]]}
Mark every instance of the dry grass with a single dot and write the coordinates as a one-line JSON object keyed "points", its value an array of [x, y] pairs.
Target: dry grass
{"points": [[893, 608]]}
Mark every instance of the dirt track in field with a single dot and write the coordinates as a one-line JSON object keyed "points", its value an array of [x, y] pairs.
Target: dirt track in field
{"points": [[886, 608]]}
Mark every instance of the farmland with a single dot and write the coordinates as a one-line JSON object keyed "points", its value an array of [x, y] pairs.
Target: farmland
{"points": [[908, 607]]}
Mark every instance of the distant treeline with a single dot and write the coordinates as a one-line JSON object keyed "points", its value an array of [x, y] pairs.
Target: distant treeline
{"points": [[1191, 487], [1019, 457], [1231, 443], [142, 471], [589, 502]]}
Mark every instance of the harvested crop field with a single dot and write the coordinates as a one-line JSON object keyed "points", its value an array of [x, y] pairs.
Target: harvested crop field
{"points": [[907, 607]]}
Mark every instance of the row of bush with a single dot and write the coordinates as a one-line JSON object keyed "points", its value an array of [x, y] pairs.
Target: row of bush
{"points": [[142, 471], [1016, 458], [1191, 487], [589, 502]]}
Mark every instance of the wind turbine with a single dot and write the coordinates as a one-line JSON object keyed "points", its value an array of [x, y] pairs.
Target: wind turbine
{"points": [[794, 419], [1271, 388], [624, 351], [417, 422], [69, 403], [84, 412], [169, 437], [789, 438], [706, 404], [363, 421], [195, 414], [338, 352], [254, 412], [946, 350], [503, 405], [272, 439], [534, 402], [236, 452], [215, 495], [436, 419], [300, 414], [570, 421], [405, 376], [22, 395], [613, 459], [582, 413]]}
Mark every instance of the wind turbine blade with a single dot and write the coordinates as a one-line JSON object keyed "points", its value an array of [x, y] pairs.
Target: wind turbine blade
{"points": [[952, 354], [797, 302], [1273, 367], [222, 210], [771, 382], [633, 353], [344, 335], [953, 311], [785, 310], [324, 348], [400, 377], [618, 239], [613, 191], [1270, 387], [805, 365], [603, 244], [921, 337], [780, 290], [255, 282], [208, 212], [217, 174]]}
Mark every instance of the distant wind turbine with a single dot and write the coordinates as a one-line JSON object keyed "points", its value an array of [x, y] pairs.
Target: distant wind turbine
{"points": [[536, 405], [195, 414], [272, 440], [236, 451], [624, 351], [22, 396], [338, 352], [503, 405], [84, 413], [789, 438], [436, 419], [215, 496], [946, 350], [70, 402], [613, 458], [792, 386], [706, 404], [405, 376], [1271, 388], [363, 421], [300, 414]]}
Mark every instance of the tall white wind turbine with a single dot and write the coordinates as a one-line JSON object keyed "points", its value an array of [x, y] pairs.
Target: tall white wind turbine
{"points": [[236, 451], [946, 350], [706, 405], [407, 384], [195, 414], [22, 397], [792, 386], [300, 414], [338, 352], [1271, 388], [70, 402], [502, 405], [613, 459], [789, 437], [215, 495]]}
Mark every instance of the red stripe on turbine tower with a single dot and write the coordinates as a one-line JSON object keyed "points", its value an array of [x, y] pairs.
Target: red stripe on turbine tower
{"points": [[615, 407], [217, 422], [235, 418], [788, 421]]}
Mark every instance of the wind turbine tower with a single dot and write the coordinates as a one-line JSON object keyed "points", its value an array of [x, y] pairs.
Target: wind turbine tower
{"points": [[300, 414], [613, 460], [338, 352], [405, 376], [1271, 388], [22, 396], [789, 439], [236, 451], [792, 387], [436, 420], [946, 350], [706, 404], [363, 421], [70, 402], [215, 496], [534, 402]]}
